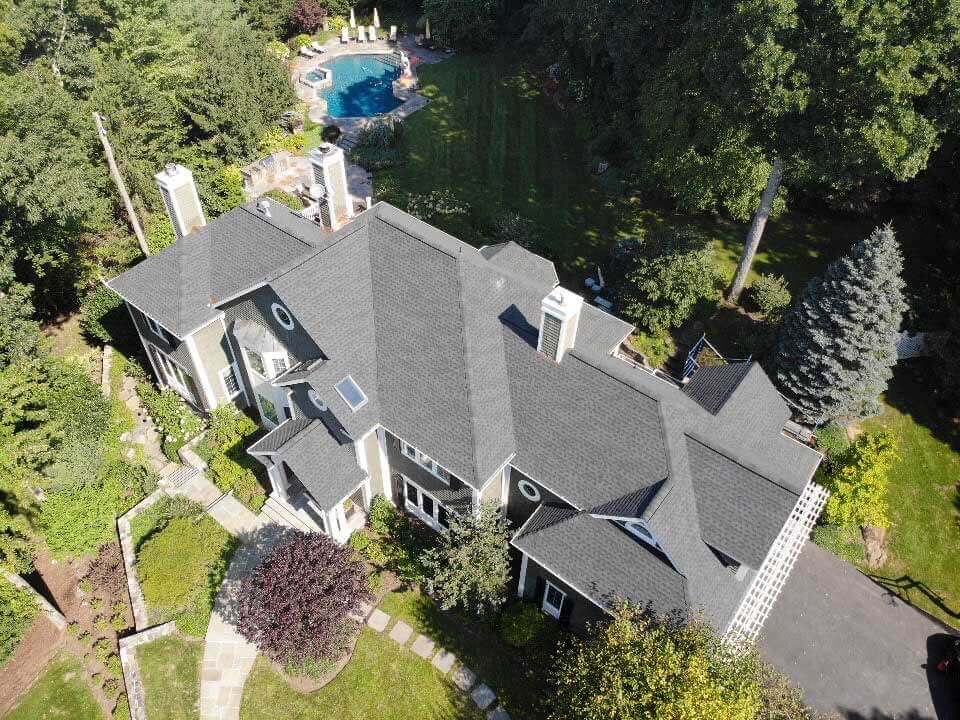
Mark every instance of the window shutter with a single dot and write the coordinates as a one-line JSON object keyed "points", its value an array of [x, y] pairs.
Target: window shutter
{"points": [[566, 609], [541, 588]]}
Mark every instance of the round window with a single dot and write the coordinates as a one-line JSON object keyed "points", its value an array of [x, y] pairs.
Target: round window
{"points": [[315, 399], [529, 490], [282, 315]]}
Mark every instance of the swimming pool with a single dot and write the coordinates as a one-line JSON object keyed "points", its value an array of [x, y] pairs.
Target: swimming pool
{"points": [[362, 86]]}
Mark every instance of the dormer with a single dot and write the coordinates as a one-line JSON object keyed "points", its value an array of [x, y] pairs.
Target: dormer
{"points": [[559, 318]]}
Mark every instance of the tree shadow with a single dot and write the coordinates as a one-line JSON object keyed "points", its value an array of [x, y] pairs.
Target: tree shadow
{"points": [[901, 587], [944, 689], [913, 392]]}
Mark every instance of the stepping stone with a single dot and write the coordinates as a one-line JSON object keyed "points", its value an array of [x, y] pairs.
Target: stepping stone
{"points": [[444, 660], [424, 647], [378, 620], [464, 678], [483, 696], [401, 632], [498, 713]]}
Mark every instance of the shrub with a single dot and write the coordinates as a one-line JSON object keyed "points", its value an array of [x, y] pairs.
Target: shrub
{"points": [[522, 624], [301, 40], [294, 605], [360, 540], [771, 295], [832, 440], [843, 541], [122, 710], [668, 277], [514, 227], [175, 421], [101, 314], [160, 234], [381, 515], [858, 486], [103, 649], [17, 612], [107, 573], [181, 568], [231, 476], [378, 145], [276, 139], [337, 23], [398, 543], [279, 49], [284, 198], [308, 15], [375, 584], [434, 204], [471, 566], [229, 465], [159, 515]]}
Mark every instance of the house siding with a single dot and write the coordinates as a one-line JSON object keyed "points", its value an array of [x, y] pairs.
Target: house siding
{"points": [[170, 346], [492, 492], [519, 507], [400, 463], [582, 612], [214, 350]]}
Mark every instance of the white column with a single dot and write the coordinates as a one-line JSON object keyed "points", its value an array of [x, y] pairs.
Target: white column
{"points": [[521, 583], [208, 396], [385, 464], [278, 482]]}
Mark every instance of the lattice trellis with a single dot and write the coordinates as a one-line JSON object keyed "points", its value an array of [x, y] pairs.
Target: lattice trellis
{"points": [[772, 576]]}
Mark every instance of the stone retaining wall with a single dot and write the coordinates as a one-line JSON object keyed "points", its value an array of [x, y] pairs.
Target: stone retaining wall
{"points": [[131, 670], [54, 615]]}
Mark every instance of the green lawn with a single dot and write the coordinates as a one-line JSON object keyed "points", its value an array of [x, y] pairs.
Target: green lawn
{"points": [[924, 566], [518, 680], [382, 681], [61, 692], [491, 137], [170, 668]]}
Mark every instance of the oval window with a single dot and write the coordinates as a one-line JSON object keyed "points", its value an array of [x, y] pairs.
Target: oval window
{"points": [[529, 490], [282, 315], [315, 399]]}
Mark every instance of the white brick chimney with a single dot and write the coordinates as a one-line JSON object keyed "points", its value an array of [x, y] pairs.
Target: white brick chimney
{"points": [[330, 173], [559, 317], [181, 199]]}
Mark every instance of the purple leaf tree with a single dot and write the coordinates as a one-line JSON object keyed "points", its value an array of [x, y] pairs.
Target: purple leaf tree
{"points": [[308, 15], [294, 605]]}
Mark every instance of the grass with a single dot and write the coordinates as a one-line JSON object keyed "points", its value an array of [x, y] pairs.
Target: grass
{"points": [[518, 680], [382, 681], [924, 540], [60, 692], [170, 668], [491, 137]]}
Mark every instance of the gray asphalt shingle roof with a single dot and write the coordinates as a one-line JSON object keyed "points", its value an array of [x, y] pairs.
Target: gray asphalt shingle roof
{"points": [[511, 256], [327, 469], [712, 386]]}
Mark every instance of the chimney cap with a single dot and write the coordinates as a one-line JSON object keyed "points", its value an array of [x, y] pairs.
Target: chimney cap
{"points": [[263, 207]]}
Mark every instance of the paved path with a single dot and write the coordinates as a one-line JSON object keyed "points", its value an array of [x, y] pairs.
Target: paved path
{"points": [[235, 517], [854, 648]]}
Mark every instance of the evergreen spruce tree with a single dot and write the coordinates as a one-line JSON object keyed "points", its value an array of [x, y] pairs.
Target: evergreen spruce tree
{"points": [[838, 344]]}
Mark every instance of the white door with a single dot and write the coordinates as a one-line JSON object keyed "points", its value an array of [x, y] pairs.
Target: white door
{"points": [[553, 600]]}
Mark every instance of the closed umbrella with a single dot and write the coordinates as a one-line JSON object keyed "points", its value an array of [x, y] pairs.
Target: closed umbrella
{"points": [[353, 19], [376, 18], [426, 30]]}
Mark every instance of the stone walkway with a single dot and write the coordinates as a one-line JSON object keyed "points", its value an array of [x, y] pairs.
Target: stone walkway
{"points": [[462, 677]]}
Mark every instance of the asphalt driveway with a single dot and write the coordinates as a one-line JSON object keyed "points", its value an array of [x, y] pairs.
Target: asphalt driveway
{"points": [[855, 649]]}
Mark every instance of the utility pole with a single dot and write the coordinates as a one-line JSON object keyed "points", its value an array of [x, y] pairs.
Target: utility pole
{"points": [[118, 179]]}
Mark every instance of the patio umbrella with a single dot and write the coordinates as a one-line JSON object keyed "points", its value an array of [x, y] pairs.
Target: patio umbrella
{"points": [[376, 18], [426, 30], [353, 19]]}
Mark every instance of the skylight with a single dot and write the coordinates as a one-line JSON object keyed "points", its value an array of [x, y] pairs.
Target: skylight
{"points": [[351, 393]]}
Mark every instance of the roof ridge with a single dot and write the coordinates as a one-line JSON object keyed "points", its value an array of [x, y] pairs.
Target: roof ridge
{"points": [[466, 374], [736, 461], [266, 219]]}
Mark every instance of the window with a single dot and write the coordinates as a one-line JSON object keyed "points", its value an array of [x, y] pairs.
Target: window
{"points": [[427, 462], [426, 504], [640, 530], [529, 490], [175, 376], [279, 366], [282, 316], [155, 327], [268, 409], [317, 402], [231, 383], [425, 507], [442, 517], [553, 599], [412, 494], [351, 393], [255, 360]]}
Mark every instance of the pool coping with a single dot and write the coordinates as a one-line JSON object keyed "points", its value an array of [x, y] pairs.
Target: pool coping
{"points": [[329, 82]]}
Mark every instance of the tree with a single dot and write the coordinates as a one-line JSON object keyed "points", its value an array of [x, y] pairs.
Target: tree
{"points": [[308, 15], [269, 16], [670, 274], [858, 485], [471, 566], [462, 23], [837, 346], [655, 668], [294, 605]]}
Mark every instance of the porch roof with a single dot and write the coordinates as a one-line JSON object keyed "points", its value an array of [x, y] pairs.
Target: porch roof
{"points": [[327, 469]]}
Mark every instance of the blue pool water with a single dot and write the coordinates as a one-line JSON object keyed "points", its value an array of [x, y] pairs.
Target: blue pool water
{"points": [[362, 86]]}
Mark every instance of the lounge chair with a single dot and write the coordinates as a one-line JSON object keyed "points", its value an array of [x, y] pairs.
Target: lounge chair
{"points": [[372, 33], [307, 52], [393, 33], [361, 34], [317, 46], [344, 35]]}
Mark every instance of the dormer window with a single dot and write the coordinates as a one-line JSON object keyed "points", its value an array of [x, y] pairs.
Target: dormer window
{"points": [[640, 530], [266, 364], [283, 316]]}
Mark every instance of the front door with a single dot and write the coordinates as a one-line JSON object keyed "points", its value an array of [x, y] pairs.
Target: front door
{"points": [[553, 599]]}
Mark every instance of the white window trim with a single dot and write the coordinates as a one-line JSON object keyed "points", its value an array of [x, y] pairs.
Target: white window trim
{"points": [[263, 416], [317, 402], [171, 378], [425, 461], [268, 358], [277, 309], [549, 609], [432, 520], [232, 367], [359, 405], [536, 491], [155, 327]]}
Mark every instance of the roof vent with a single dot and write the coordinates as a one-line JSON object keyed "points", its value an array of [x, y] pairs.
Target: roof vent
{"points": [[263, 207], [559, 318]]}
